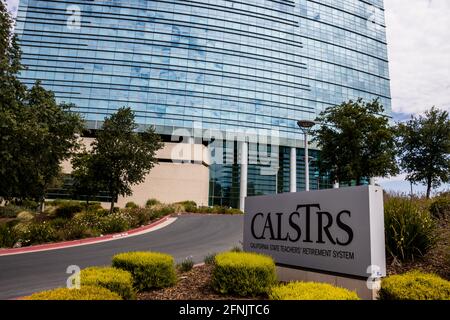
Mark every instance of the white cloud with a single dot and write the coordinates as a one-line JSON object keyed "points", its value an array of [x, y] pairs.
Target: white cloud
{"points": [[419, 52], [12, 6], [418, 35]]}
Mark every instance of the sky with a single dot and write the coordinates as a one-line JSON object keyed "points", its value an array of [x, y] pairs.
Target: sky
{"points": [[418, 35]]}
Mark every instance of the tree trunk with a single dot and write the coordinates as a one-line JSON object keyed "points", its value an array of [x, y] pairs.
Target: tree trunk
{"points": [[111, 209], [41, 205], [428, 187]]}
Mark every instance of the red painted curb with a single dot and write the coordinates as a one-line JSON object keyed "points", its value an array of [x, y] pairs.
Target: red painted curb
{"points": [[66, 244]]}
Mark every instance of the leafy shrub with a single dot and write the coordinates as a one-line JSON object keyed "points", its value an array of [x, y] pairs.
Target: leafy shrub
{"points": [[38, 232], [55, 202], [152, 202], [311, 291], [115, 280], [188, 203], [95, 205], [131, 205], [59, 223], [89, 220], [149, 269], [8, 235], [410, 230], [189, 206], [68, 209], [102, 212], [92, 206], [186, 265], [414, 285], [217, 210], [440, 207], [25, 216], [9, 211], [26, 204], [162, 211], [140, 216], [210, 259], [233, 211], [84, 293], [244, 274], [73, 231], [116, 222], [204, 209]]}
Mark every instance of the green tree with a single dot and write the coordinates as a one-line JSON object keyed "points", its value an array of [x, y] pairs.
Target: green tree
{"points": [[356, 142], [47, 135], [122, 156], [12, 93], [84, 174], [36, 133], [424, 148]]}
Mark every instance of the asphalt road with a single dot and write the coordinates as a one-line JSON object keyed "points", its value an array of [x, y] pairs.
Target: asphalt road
{"points": [[192, 235]]}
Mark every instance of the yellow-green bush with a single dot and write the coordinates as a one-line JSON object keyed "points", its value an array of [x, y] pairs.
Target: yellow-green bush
{"points": [[152, 202], [84, 293], [131, 205], [25, 216], [244, 274], [115, 280], [149, 269], [311, 291], [414, 285]]}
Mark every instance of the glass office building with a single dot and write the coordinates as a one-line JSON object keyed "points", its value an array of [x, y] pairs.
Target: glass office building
{"points": [[228, 66]]}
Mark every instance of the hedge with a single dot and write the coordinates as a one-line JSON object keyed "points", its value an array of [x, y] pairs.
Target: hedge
{"points": [[84, 293], [68, 209], [243, 274], [149, 269], [414, 285], [115, 280], [311, 291]]}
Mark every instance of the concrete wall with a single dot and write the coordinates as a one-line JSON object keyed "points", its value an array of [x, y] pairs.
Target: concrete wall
{"points": [[169, 182], [185, 179]]}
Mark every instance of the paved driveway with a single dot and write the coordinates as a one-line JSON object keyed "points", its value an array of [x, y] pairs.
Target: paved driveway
{"points": [[190, 235]]}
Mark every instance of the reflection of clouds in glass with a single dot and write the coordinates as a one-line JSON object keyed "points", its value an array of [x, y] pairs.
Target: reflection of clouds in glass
{"points": [[418, 54], [12, 6]]}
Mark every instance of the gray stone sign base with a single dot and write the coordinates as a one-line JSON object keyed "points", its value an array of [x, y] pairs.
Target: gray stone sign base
{"points": [[358, 285]]}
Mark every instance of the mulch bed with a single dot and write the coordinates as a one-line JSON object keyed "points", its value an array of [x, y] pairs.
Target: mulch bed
{"points": [[191, 285], [436, 260]]}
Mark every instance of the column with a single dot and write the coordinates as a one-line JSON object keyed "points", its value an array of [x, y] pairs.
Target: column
{"points": [[244, 172], [293, 167], [306, 162]]}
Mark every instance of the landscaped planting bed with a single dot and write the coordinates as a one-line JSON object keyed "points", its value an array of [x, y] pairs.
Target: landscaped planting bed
{"points": [[72, 220]]}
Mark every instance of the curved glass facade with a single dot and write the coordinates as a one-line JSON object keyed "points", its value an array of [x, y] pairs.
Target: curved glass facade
{"points": [[231, 65]]}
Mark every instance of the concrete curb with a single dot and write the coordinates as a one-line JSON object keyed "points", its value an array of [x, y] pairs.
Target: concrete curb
{"points": [[161, 223]]}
